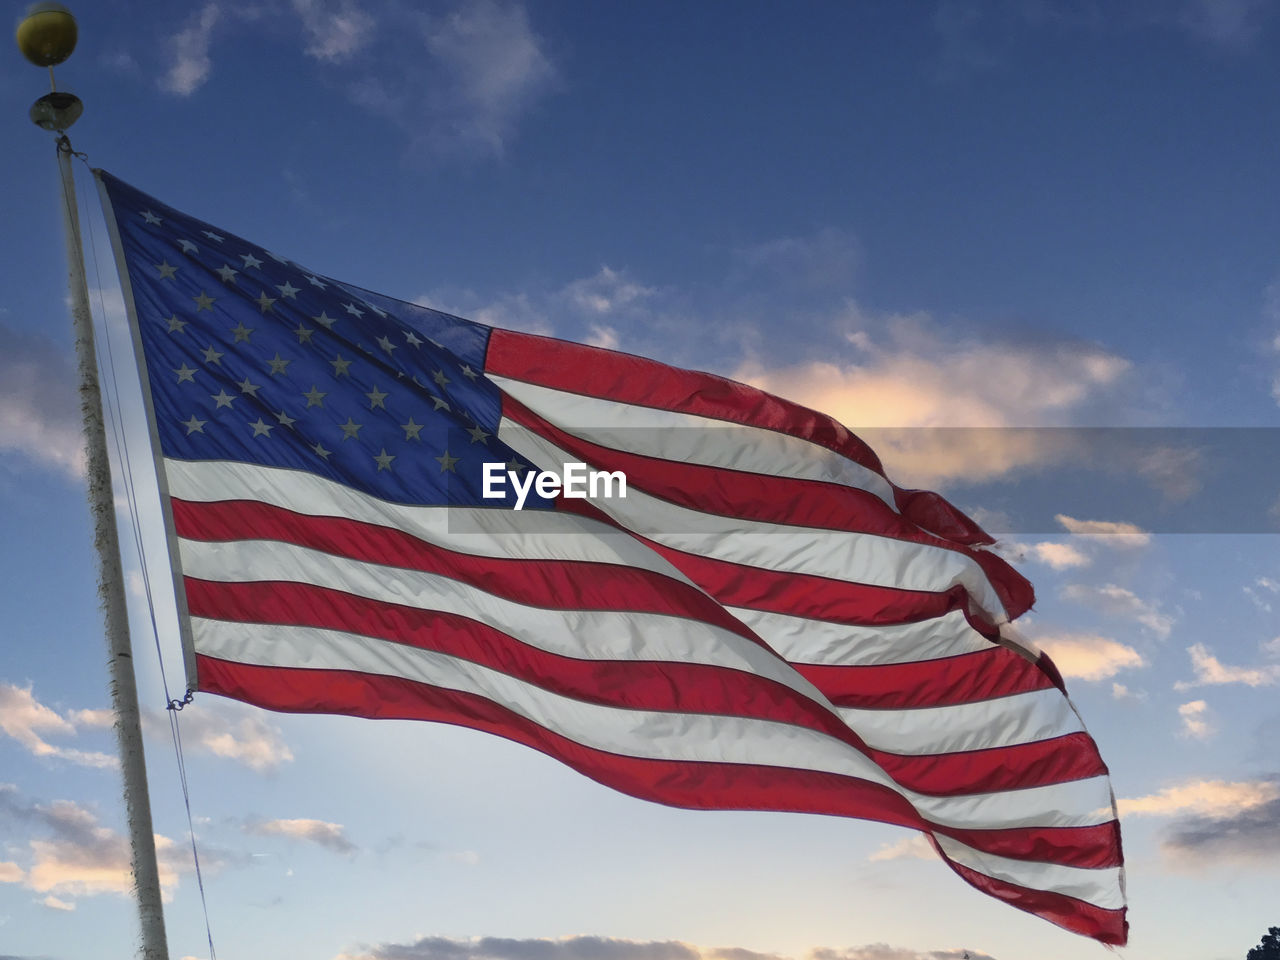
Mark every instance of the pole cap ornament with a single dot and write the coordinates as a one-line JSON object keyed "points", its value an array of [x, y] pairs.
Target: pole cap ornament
{"points": [[47, 34]]}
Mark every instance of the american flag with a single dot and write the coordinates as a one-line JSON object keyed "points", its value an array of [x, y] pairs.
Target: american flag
{"points": [[764, 622]]}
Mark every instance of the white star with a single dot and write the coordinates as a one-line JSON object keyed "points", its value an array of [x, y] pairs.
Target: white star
{"points": [[439, 403], [250, 388], [447, 463], [381, 313], [213, 356], [213, 236], [411, 430], [285, 419], [166, 271], [276, 257], [203, 302], [478, 435], [250, 260], [185, 373], [315, 282], [287, 290], [278, 365], [412, 339], [376, 398], [384, 460], [352, 309], [176, 325], [468, 372], [325, 320], [340, 366], [222, 399], [151, 218], [322, 452], [194, 425], [187, 246], [303, 333], [242, 332], [226, 273], [315, 397], [264, 302], [350, 429], [261, 428]]}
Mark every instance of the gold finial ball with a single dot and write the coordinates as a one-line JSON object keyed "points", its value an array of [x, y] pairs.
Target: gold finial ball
{"points": [[47, 34]]}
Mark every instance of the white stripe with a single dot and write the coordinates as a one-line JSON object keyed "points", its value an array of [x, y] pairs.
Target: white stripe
{"points": [[689, 438], [645, 734], [517, 535], [582, 634], [1002, 722], [842, 555], [802, 640], [1099, 886]]}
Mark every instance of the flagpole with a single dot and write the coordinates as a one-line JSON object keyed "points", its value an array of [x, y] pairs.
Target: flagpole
{"points": [[47, 36]]}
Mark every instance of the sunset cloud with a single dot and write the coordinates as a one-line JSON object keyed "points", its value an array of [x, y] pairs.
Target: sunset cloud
{"points": [[1088, 656]]}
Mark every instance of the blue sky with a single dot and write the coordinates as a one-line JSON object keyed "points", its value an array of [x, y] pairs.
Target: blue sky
{"points": [[1017, 213]]}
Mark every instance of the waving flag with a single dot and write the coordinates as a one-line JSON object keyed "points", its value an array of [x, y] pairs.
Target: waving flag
{"points": [[763, 621]]}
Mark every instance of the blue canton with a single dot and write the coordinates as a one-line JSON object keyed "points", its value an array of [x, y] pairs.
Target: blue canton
{"points": [[251, 357]]}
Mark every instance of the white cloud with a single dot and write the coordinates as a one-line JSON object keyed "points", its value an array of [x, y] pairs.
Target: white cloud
{"points": [[602, 336], [1059, 556], [1121, 692], [1210, 798], [1197, 720], [53, 903], [11, 872], [827, 258], [1089, 657], [189, 52], [38, 416], [28, 721], [912, 847], [332, 836], [234, 733], [494, 68], [336, 29], [1112, 533], [919, 376], [605, 292], [1117, 601], [1210, 671]]}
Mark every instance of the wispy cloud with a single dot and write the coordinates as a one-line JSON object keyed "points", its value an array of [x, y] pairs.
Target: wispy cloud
{"points": [[331, 836], [188, 52], [28, 721], [336, 30], [1058, 556], [1113, 533], [1208, 798], [911, 847], [233, 732], [1088, 656], [75, 855], [38, 417], [1210, 671], [1197, 720], [1119, 602]]}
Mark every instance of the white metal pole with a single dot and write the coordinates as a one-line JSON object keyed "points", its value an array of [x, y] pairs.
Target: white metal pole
{"points": [[124, 690]]}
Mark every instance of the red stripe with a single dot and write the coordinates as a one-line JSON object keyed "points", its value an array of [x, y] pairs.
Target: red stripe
{"points": [[1037, 764], [593, 371], [554, 584], [1106, 926], [642, 685], [694, 785], [632, 684], [966, 678]]}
